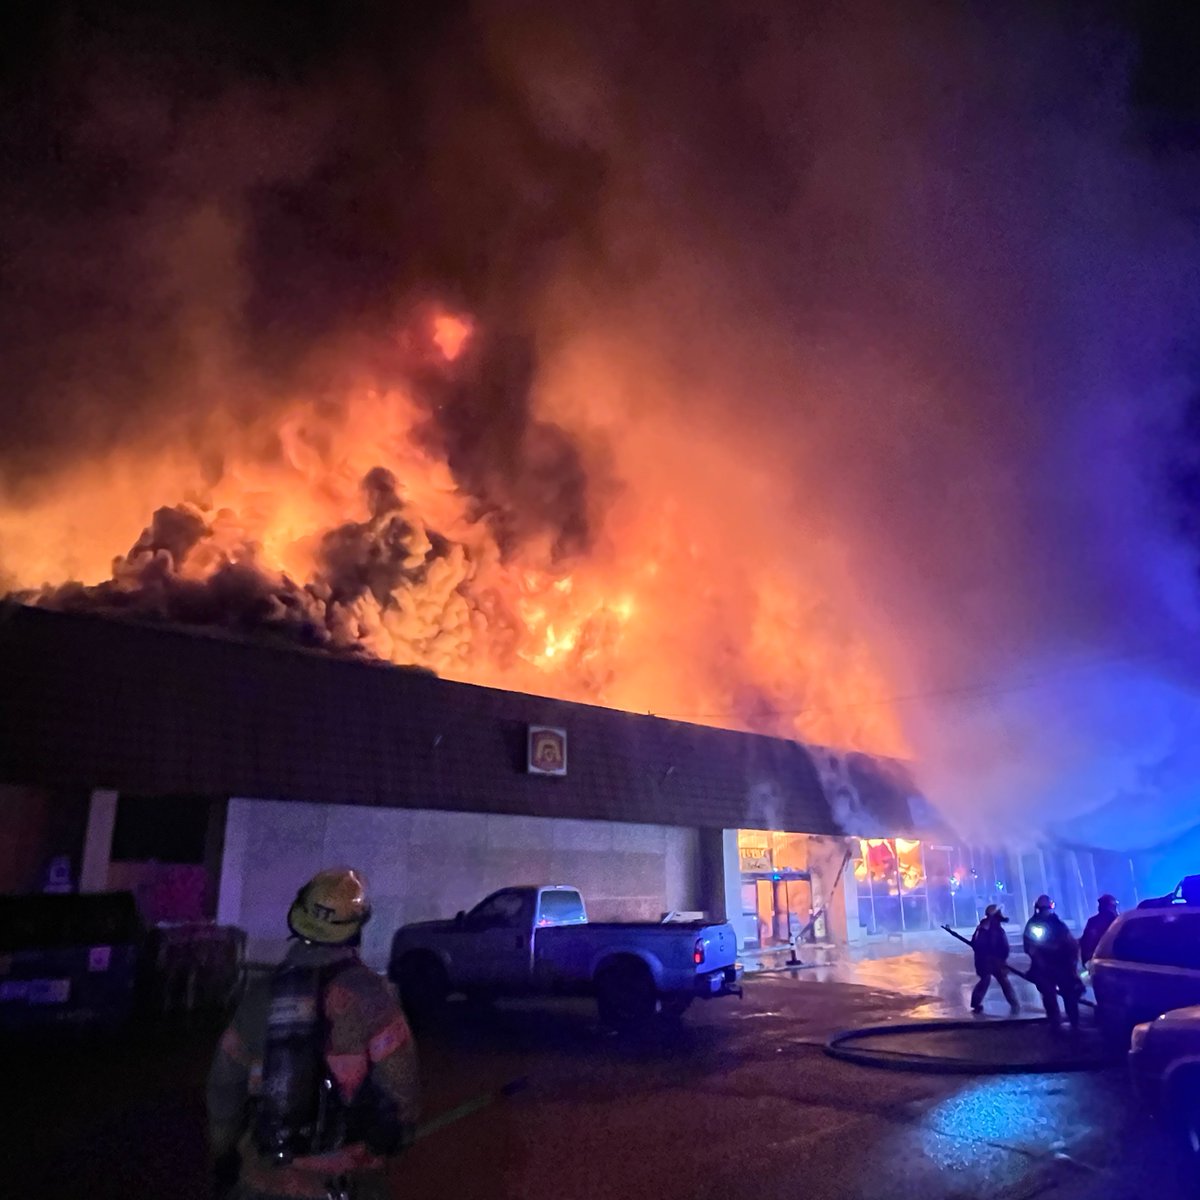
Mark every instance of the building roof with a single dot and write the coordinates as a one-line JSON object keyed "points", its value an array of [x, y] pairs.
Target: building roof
{"points": [[91, 702]]}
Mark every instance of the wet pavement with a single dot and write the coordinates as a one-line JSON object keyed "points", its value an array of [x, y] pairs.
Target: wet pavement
{"points": [[737, 1100]]}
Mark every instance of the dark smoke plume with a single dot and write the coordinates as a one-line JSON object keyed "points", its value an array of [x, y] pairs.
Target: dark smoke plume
{"points": [[224, 196], [903, 298]]}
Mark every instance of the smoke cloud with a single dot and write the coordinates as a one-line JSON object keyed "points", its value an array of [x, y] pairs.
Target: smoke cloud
{"points": [[880, 315]]}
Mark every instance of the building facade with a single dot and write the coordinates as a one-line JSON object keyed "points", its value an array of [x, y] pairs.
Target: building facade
{"points": [[212, 775]]}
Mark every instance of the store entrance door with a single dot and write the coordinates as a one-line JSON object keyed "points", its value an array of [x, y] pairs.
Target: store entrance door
{"points": [[777, 895], [776, 907]]}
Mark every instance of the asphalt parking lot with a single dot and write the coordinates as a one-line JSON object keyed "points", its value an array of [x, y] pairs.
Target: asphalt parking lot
{"points": [[738, 1100]]}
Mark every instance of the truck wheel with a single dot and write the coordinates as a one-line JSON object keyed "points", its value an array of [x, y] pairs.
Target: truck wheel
{"points": [[673, 1007], [625, 995], [423, 988]]}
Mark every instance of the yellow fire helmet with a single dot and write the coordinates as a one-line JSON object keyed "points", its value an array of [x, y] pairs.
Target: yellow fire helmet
{"points": [[330, 908]]}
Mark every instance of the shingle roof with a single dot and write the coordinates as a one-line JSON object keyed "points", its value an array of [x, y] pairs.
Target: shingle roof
{"points": [[94, 702]]}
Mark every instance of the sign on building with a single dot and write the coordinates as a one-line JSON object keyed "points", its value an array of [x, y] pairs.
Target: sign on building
{"points": [[547, 750], [755, 858]]}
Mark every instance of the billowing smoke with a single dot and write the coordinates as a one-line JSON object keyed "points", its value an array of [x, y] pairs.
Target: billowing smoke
{"points": [[851, 342]]}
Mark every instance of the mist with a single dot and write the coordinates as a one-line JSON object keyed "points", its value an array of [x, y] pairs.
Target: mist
{"points": [[882, 318]]}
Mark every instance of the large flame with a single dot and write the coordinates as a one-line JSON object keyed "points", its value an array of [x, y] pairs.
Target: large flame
{"points": [[336, 520]]}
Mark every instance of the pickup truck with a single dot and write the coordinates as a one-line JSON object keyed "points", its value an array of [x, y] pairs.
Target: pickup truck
{"points": [[538, 940]]}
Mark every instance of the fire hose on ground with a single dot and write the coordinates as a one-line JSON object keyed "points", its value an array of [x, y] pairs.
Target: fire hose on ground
{"points": [[1067, 1054], [1073, 1052]]}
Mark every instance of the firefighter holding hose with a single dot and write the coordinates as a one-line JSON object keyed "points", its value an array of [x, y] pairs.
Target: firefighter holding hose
{"points": [[990, 944], [1053, 962], [314, 1084]]}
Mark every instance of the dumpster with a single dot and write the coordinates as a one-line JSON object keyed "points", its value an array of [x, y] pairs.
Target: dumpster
{"points": [[67, 961]]}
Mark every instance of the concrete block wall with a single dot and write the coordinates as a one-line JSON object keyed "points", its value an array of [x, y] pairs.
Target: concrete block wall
{"points": [[422, 864]]}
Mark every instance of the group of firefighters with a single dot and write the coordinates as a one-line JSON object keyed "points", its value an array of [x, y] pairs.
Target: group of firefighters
{"points": [[1054, 956]]}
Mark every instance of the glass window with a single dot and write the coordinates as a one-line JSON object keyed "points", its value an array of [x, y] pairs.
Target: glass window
{"points": [[938, 868], [892, 885], [1007, 885], [962, 887], [1035, 879], [879, 884], [866, 911], [1057, 886], [562, 908], [789, 851], [910, 865], [504, 910], [167, 829], [983, 877]]}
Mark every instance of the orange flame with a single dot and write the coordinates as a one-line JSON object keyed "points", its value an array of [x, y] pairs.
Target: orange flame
{"points": [[665, 613], [450, 334]]}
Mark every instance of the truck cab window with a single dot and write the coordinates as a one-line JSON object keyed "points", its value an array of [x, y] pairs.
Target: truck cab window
{"points": [[504, 910], [562, 908]]}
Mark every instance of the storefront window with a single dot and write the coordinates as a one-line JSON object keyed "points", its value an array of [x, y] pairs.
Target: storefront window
{"points": [[905, 885], [1059, 885], [966, 914], [1007, 889], [884, 872], [1035, 876], [910, 865], [939, 866], [776, 892]]}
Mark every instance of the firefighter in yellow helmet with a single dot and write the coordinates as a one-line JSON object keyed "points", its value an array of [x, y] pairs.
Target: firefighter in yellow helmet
{"points": [[314, 1084]]}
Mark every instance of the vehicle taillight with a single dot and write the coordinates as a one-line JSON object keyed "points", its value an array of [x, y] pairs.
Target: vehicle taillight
{"points": [[698, 953]]}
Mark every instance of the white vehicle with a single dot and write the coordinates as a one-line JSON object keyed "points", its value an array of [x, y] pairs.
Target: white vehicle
{"points": [[1148, 963], [1164, 1063]]}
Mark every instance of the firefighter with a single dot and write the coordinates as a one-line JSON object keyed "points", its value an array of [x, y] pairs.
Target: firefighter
{"points": [[990, 943], [1053, 962], [314, 1084], [1097, 926]]}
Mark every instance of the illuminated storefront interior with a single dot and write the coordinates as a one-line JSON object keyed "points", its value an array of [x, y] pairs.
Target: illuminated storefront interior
{"points": [[777, 891], [905, 884]]}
